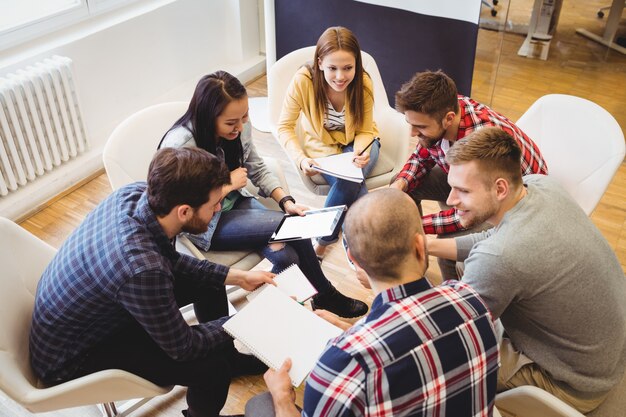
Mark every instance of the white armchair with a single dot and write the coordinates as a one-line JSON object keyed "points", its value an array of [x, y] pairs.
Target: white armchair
{"points": [[23, 258], [530, 401], [581, 142], [127, 155], [394, 131]]}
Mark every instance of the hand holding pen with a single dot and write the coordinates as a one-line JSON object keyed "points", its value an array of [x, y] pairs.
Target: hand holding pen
{"points": [[361, 158]]}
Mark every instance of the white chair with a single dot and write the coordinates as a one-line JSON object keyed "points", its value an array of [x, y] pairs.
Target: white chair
{"points": [[23, 258], [393, 129], [581, 142], [530, 401], [127, 155]]}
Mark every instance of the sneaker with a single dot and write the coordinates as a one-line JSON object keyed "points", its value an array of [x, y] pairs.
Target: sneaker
{"points": [[335, 302], [316, 249], [345, 248]]}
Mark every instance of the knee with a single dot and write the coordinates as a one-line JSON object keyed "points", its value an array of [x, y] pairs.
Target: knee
{"points": [[283, 254]]}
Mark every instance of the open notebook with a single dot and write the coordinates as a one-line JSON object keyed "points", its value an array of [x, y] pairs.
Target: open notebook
{"points": [[339, 166], [276, 327], [292, 282]]}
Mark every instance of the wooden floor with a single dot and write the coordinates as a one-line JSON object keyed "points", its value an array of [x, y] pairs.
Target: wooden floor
{"points": [[575, 66]]}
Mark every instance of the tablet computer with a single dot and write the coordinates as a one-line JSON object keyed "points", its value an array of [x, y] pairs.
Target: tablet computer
{"points": [[315, 223]]}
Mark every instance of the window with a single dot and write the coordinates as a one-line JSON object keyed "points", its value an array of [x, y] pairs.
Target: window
{"points": [[22, 20]]}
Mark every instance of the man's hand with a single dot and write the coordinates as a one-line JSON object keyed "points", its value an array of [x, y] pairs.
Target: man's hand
{"points": [[249, 280], [305, 166], [400, 184], [283, 395], [279, 383], [333, 319]]}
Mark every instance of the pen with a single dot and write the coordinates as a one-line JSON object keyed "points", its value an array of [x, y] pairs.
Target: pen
{"points": [[366, 148]]}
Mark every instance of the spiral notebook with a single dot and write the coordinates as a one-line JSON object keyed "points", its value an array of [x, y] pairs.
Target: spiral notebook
{"points": [[276, 327], [339, 166], [292, 282]]}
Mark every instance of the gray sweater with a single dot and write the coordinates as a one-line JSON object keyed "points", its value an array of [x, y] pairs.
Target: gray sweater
{"points": [[557, 286], [258, 173]]}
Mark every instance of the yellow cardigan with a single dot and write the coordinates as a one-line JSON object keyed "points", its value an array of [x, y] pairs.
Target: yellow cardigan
{"points": [[318, 142]]}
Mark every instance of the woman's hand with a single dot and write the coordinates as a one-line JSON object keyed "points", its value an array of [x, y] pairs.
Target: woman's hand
{"points": [[293, 208], [305, 166], [360, 161], [238, 178]]}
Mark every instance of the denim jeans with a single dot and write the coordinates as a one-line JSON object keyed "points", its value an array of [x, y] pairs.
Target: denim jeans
{"points": [[347, 192], [249, 225]]}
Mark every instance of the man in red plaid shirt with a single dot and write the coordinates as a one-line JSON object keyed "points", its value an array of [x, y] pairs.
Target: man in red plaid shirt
{"points": [[439, 116]]}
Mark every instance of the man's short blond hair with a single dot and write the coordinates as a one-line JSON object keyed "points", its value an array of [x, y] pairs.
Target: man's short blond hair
{"points": [[380, 228], [497, 153]]}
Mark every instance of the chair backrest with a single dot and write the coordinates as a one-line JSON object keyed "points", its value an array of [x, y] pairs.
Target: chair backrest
{"points": [[530, 401], [281, 73], [129, 150], [581, 142], [23, 258], [394, 131]]}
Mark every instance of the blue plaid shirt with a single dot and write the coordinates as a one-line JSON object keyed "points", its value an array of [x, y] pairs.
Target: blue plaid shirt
{"points": [[422, 351], [118, 266]]}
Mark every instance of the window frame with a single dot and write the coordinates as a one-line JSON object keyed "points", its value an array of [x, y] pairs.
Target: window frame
{"points": [[42, 26]]}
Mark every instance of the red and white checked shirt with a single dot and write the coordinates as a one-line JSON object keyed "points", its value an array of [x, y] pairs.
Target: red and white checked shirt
{"points": [[422, 351], [474, 116]]}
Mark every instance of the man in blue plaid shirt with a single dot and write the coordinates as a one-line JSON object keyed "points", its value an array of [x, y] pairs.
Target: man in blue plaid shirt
{"points": [[110, 298], [421, 351]]}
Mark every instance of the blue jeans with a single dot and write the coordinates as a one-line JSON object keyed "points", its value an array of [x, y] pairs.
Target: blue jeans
{"points": [[249, 226], [347, 192]]}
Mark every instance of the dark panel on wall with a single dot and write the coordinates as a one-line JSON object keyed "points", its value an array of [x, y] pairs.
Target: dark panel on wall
{"points": [[401, 42]]}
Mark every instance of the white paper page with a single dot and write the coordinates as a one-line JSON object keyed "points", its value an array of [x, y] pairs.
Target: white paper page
{"points": [[275, 327], [311, 225], [341, 166], [292, 282]]}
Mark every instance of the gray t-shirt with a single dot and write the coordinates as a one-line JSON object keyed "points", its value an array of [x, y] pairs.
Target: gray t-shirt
{"points": [[556, 285]]}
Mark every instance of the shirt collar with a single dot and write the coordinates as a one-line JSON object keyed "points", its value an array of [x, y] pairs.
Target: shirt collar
{"points": [[399, 292], [145, 214]]}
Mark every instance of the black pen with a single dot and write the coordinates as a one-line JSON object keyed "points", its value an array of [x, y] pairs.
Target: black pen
{"points": [[361, 153]]}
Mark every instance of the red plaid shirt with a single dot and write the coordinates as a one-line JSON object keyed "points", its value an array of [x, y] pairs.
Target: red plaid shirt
{"points": [[422, 351], [474, 116]]}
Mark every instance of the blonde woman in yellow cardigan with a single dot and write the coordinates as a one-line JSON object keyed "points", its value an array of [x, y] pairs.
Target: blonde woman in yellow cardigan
{"points": [[335, 97]]}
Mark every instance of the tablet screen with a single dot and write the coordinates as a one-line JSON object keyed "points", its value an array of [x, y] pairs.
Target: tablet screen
{"points": [[316, 223]]}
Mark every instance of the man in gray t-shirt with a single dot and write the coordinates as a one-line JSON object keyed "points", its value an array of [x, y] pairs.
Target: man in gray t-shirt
{"points": [[544, 269]]}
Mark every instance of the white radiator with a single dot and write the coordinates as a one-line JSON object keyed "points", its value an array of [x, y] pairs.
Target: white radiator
{"points": [[41, 126]]}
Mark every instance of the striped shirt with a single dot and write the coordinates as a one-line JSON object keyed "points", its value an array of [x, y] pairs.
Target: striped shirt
{"points": [[474, 116], [334, 120], [118, 266], [422, 351]]}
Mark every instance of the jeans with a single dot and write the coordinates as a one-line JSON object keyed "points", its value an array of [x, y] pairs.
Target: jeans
{"points": [[347, 192], [249, 225]]}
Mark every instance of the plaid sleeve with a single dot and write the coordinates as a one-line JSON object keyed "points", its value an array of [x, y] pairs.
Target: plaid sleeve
{"points": [[419, 164], [335, 387], [446, 221], [203, 271], [149, 298]]}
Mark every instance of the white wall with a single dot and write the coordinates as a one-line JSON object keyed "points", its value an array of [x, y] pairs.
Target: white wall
{"points": [[123, 64]]}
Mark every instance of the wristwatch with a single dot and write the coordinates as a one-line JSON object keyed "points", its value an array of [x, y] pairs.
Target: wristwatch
{"points": [[283, 200]]}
